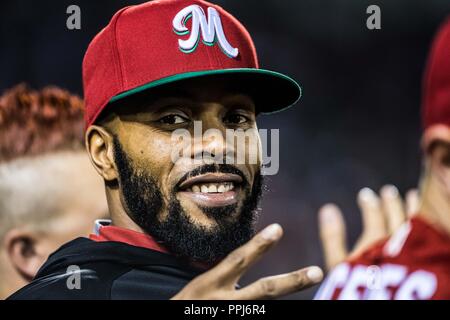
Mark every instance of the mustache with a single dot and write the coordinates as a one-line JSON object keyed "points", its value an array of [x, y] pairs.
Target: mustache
{"points": [[214, 168]]}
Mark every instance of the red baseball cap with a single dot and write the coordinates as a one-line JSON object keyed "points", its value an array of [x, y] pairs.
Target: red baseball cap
{"points": [[159, 42], [436, 89]]}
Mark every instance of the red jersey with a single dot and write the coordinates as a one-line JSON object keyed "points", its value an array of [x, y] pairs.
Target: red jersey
{"points": [[413, 264]]}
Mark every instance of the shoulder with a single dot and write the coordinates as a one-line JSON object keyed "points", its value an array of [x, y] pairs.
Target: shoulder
{"points": [[85, 281], [85, 269]]}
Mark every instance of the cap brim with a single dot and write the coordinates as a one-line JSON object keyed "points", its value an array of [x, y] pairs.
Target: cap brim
{"points": [[272, 91]]}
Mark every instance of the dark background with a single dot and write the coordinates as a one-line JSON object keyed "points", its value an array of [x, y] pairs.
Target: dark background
{"points": [[358, 123]]}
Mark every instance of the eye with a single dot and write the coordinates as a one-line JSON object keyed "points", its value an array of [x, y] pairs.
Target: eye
{"points": [[172, 119], [235, 118]]}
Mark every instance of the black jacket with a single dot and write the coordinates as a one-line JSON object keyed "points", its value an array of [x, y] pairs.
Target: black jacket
{"points": [[108, 270]]}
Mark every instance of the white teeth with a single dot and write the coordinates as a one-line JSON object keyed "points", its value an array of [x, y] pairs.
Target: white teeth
{"points": [[212, 187]]}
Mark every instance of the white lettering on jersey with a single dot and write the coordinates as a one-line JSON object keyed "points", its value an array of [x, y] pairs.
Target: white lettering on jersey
{"points": [[390, 276], [420, 285], [356, 282], [336, 279], [395, 282]]}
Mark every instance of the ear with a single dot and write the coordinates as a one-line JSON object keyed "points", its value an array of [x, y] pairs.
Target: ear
{"points": [[21, 249], [99, 144], [439, 159]]}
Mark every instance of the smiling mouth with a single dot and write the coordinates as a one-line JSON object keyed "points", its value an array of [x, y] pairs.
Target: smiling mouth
{"points": [[212, 189]]}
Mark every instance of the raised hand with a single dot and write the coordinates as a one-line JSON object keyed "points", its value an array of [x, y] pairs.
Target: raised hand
{"points": [[220, 282], [381, 216]]}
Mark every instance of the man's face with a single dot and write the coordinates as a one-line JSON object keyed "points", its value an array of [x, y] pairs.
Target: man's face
{"points": [[201, 210]]}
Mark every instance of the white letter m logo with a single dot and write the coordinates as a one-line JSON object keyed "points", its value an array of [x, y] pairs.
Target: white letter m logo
{"points": [[212, 30]]}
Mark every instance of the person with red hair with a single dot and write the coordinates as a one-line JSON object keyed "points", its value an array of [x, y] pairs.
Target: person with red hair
{"points": [[44, 200]]}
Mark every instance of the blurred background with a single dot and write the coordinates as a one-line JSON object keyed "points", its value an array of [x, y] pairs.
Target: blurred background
{"points": [[357, 125]]}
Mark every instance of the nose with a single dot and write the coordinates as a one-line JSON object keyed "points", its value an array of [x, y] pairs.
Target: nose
{"points": [[209, 141]]}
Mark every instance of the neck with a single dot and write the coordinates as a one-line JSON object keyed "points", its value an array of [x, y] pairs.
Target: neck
{"points": [[435, 203], [119, 217]]}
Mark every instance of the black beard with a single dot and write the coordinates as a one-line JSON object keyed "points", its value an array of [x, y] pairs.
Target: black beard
{"points": [[143, 201]]}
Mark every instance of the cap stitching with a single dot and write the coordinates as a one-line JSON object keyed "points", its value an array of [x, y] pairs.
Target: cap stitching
{"points": [[112, 43], [116, 51]]}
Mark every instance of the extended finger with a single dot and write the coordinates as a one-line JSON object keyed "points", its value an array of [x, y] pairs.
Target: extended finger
{"points": [[393, 207], [332, 235], [412, 202], [373, 220], [276, 286]]}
